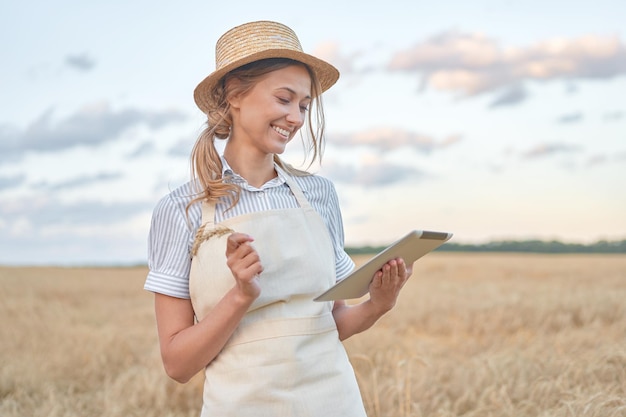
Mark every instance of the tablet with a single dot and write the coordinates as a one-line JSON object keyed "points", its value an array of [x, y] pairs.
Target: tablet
{"points": [[411, 247]]}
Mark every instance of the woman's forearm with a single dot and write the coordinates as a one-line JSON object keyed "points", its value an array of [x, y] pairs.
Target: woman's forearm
{"points": [[355, 319], [186, 350]]}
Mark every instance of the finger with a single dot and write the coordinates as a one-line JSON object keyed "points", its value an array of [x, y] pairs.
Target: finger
{"points": [[377, 280], [251, 272], [244, 258], [400, 268], [403, 273], [386, 274], [249, 258], [243, 250], [393, 269], [235, 240]]}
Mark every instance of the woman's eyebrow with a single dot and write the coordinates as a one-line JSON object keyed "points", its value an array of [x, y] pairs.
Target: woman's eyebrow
{"points": [[293, 92]]}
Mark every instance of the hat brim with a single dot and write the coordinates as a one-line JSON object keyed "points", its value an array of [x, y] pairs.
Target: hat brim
{"points": [[326, 74]]}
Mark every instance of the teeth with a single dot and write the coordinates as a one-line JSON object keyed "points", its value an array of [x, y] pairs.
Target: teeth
{"points": [[281, 131]]}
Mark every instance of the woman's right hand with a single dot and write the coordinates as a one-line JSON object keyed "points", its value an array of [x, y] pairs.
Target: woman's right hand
{"points": [[245, 264]]}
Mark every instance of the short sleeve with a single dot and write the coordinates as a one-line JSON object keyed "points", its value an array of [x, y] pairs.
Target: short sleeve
{"points": [[169, 244]]}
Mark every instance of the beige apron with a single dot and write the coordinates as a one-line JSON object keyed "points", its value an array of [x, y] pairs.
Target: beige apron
{"points": [[285, 357]]}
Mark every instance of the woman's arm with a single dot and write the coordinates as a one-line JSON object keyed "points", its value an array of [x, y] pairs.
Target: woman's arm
{"points": [[384, 291], [186, 348]]}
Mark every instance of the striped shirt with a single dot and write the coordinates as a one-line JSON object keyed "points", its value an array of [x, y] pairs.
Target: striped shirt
{"points": [[172, 233]]}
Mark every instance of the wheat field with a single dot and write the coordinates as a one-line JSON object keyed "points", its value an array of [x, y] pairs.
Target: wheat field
{"points": [[471, 335]]}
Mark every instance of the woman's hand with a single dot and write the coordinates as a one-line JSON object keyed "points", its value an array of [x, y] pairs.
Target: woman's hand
{"points": [[387, 283], [384, 291], [245, 264]]}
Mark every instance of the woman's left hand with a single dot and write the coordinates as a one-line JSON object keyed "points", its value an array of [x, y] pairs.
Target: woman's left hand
{"points": [[387, 283]]}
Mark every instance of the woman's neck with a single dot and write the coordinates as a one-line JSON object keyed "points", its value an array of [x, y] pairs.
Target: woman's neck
{"points": [[255, 169]]}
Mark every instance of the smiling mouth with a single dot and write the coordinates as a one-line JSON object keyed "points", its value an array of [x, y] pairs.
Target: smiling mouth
{"points": [[281, 132]]}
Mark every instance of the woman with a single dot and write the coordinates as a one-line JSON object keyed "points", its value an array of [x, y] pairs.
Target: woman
{"points": [[237, 255]]}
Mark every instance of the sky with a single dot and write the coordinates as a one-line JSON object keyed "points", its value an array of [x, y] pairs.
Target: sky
{"points": [[492, 120]]}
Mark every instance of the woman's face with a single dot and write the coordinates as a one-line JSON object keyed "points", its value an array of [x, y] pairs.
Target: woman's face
{"points": [[269, 115]]}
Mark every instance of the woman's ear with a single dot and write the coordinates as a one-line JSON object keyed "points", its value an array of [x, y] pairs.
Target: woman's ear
{"points": [[234, 99]]}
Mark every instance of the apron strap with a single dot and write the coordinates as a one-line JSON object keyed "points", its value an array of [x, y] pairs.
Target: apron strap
{"points": [[207, 227], [295, 190], [208, 212]]}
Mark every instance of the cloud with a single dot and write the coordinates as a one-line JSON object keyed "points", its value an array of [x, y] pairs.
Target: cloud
{"points": [[90, 126], [345, 63], [547, 149], [329, 51], [614, 116], [387, 139], [371, 174], [145, 148], [604, 159], [42, 212], [182, 148], [514, 95], [78, 181], [571, 88], [80, 62], [471, 63], [598, 159], [570, 118], [44, 230], [14, 181]]}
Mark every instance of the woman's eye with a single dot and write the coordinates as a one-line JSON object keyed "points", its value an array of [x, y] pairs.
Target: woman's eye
{"points": [[282, 100]]}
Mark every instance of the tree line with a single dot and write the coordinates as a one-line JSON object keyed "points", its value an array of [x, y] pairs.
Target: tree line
{"points": [[527, 246]]}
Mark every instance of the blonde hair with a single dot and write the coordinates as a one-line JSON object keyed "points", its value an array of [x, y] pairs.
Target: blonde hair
{"points": [[206, 165]]}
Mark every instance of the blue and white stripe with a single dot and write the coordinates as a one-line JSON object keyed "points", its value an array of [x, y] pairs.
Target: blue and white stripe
{"points": [[172, 233]]}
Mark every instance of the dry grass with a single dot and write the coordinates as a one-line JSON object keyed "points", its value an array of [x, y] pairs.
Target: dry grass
{"points": [[472, 335]]}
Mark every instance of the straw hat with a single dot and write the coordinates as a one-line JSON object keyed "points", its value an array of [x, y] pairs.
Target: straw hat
{"points": [[254, 41]]}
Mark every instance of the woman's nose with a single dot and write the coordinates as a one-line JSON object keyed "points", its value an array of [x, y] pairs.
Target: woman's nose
{"points": [[295, 115]]}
